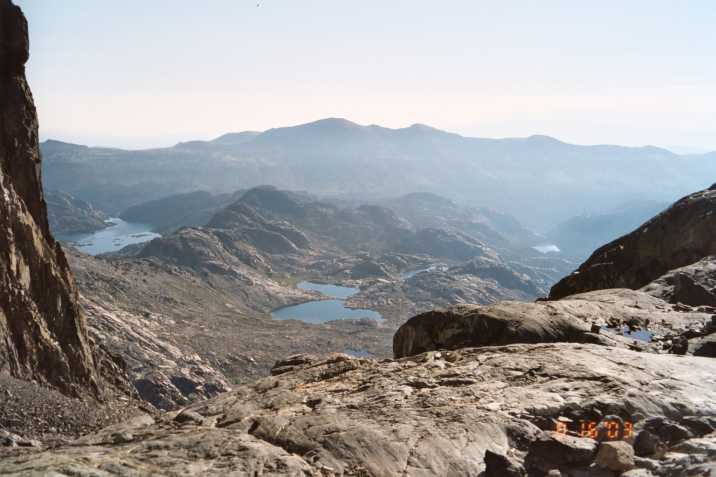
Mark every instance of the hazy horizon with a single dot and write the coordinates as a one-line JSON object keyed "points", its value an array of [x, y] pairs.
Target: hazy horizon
{"points": [[682, 150], [162, 72]]}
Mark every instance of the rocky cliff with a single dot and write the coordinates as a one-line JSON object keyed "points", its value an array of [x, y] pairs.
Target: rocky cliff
{"points": [[42, 330]]}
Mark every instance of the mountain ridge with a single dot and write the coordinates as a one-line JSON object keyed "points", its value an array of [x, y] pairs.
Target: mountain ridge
{"points": [[337, 123], [336, 157]]}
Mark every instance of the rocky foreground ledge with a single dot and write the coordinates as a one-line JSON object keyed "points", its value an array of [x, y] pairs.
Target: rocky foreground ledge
{"points": [[493, 409]]}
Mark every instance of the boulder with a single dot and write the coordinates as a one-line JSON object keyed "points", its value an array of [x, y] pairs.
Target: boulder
{"points": [[553, 449], [189, 417], [498, 465], [703, 346], [572, 319], [473, 325], [646, 444], [617, 456]]}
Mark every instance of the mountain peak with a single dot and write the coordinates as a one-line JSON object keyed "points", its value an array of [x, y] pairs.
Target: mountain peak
{"points": [[543, 139], [422, 127], [331, 123]]}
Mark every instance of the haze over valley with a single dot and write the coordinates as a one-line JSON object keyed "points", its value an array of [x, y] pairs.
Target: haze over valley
{"points": [[343, 160]]}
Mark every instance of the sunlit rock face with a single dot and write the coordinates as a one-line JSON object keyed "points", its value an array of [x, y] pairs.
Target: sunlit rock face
{"points": [[42, 330], [437, 413]]}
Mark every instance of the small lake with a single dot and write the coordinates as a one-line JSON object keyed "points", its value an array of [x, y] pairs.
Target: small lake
{"points": [[333, 291], [640, 335], [113, 238], [358, 353], [322, 311]]}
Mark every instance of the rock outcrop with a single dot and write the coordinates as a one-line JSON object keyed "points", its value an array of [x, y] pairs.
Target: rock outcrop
{"points": [[474, 325], [42, 330], [693, 285], [431, 414], [164, 373], [594, 317], [679, 236]]}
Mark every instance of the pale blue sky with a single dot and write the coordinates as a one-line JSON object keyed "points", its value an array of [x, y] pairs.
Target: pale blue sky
{"points": [[149, 73]]}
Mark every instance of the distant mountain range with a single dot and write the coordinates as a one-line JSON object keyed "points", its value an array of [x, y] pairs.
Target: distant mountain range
{"points": [[538, 179]]}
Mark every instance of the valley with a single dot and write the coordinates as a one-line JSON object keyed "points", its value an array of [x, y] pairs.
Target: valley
{"points": [[277, 273]]}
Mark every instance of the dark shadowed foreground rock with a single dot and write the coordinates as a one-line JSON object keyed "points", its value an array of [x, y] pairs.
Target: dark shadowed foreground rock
{"points": [[679, 236], [570, 319], [431, 414], [42, 330], [552, 450]]}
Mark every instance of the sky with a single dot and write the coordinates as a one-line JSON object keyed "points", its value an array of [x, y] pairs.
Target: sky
{"points": [[150, 73]]}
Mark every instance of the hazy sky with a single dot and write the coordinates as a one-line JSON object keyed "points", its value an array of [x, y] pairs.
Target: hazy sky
{"points": [[138, 73]]}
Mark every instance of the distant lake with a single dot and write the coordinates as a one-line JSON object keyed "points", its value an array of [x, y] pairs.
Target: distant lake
{"points": [[113, 238], [322, 311], [334, 291], [547, 248]]}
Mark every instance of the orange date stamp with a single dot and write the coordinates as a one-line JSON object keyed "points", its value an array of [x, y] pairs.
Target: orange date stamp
{"points": [[609, 429]]}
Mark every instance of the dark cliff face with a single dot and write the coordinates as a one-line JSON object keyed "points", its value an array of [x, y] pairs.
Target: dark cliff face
{"points": [[681, 235], [42, 329]]}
